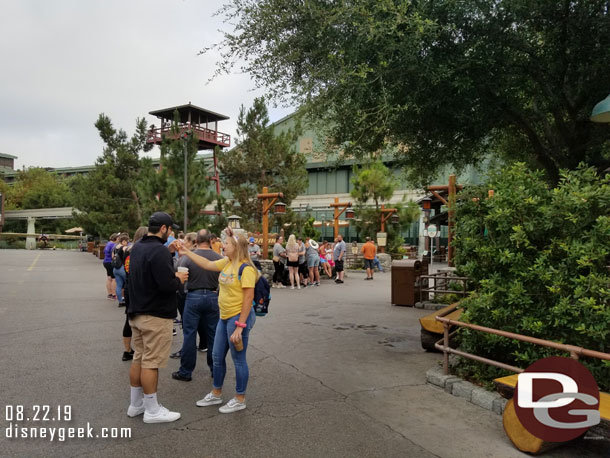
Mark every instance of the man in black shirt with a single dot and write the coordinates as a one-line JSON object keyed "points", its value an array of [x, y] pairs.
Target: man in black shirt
{"points": [[201, 306], [152, 309]]}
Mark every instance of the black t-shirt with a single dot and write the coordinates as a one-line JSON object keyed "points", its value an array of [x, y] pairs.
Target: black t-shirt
{"points": [[198, 277]]}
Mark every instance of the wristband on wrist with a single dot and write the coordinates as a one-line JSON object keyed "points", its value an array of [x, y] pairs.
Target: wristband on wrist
{"points": [[241, 325]]}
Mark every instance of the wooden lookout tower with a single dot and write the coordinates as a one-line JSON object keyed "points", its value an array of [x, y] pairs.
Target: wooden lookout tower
{"points": [[202, 123]]}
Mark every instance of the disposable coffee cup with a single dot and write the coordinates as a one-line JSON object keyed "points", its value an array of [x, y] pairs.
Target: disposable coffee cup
{"points": [[183, 269]]}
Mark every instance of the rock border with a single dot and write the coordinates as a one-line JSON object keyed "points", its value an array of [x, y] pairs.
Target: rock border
{"points": [[476, 395]]}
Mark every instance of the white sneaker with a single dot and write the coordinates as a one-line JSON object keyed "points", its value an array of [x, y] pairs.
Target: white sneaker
{"points": [[209, 400], [299, 287], [232, 406], [135, 411], [292, 287], [163, 416]]}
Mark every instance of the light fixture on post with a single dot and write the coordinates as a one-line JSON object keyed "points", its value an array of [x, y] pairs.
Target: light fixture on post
{"points": [[426, 205], [234, 222], [349, 213], [395, 218], [601, 111], [280, 208]]}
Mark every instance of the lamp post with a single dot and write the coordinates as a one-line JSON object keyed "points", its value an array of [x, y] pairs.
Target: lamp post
{"points": [[267, 204], [337, 213], [386, 213], [185, 138]]}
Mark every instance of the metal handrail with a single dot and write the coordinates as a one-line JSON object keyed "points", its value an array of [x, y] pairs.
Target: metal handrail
{"points": [[437, 277], [574, 351]]}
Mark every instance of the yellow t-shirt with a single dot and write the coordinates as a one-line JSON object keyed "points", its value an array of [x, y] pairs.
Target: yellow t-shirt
{"points": [[230, 295]]}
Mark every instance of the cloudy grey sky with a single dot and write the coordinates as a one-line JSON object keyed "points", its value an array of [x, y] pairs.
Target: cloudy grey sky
{"points": [[63, 62]]}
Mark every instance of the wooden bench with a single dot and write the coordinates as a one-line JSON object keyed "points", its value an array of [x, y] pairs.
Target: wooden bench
{"points": [[519, 436], [432, 330]]}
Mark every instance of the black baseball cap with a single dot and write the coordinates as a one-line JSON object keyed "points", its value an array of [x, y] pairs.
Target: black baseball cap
{"points": [[159, 219]]}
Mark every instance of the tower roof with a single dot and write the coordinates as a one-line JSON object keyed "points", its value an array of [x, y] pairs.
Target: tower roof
{"points": [[197, 114]]}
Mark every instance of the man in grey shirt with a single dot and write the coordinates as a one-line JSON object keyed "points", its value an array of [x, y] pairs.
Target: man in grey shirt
{"points": [[201, 306], [279, 260], [254, 251], [339, 257]]}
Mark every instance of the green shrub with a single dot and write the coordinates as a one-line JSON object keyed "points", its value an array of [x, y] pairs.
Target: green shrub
{"points": [[538, 260]]}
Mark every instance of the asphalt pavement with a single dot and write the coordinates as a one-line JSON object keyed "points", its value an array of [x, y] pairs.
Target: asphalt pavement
{"points": [[335, 371]]}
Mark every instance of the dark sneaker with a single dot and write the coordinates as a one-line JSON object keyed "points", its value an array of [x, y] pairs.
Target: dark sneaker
{"points": [[202, 350], [122, 304], [178, 376], [176, 355], [127, 355]]}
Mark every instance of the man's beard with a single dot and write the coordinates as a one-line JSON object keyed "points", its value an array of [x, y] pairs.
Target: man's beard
{"points": [[165, 236]]}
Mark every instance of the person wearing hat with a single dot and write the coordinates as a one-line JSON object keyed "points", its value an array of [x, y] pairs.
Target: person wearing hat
{"points": [[313, 261], [152, 308], [254, 251]]}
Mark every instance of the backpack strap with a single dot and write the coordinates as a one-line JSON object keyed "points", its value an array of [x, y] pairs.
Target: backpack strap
{"points": [[241, 270]]}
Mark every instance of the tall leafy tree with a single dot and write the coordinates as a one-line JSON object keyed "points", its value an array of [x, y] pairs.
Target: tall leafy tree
{"points": [[441, 82], [163, 189], [376, 182], [107, 197], [37, 188], [261, 158], [373, 181]]}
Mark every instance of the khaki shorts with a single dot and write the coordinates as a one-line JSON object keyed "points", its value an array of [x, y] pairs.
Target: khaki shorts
{"points": [[151, 340]]}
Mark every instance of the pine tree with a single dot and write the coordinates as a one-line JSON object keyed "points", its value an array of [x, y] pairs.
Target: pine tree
{"points": [[107, 196], [261, 158]]}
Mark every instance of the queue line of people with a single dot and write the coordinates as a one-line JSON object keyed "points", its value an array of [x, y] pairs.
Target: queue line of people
{"points": [[304, 260]]}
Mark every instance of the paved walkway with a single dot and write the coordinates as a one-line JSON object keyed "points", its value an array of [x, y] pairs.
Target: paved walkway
{"points": [[336, 371]]}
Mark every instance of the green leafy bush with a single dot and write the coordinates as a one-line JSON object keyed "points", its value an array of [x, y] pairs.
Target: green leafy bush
{"points": [[538, 257]]}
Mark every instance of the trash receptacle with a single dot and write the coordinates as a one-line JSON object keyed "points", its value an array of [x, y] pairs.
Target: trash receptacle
{"points": [[100, 252], [406, 281]]}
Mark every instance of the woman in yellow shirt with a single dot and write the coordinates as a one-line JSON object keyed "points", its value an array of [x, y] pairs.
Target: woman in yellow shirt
{"points": [[237, 317]]}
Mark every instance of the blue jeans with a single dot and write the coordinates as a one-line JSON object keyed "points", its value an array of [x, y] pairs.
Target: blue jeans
{"points": [[200, 307], [224, 330], [121, 280]]}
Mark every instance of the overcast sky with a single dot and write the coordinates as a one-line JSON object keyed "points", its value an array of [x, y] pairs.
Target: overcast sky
{"points": [[63, 62]]}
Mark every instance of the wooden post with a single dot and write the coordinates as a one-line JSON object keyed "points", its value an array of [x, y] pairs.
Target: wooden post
{"points": [[265, 226], [451, 218], [336, 218], [264, 197], [337, 213]]}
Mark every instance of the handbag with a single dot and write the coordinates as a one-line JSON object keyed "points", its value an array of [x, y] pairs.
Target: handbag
{"points": [[276, 259]]}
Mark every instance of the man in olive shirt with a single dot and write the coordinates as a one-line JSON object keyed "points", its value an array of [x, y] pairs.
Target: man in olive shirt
{"points": [[201, 306]]}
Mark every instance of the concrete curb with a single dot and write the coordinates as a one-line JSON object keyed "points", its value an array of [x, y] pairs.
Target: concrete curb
{"points": [[488, 400]]}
